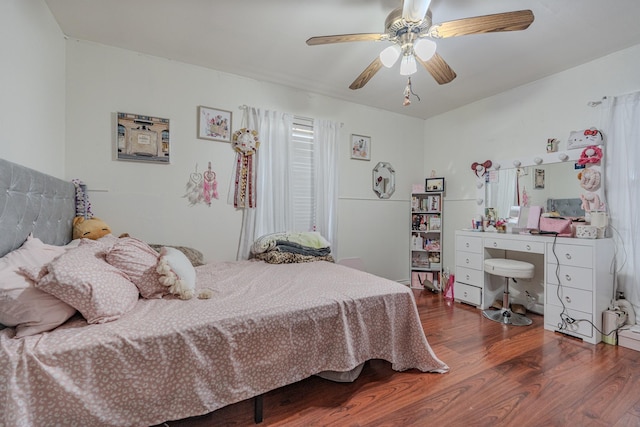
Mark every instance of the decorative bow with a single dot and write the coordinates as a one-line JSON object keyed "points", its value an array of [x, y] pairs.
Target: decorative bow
{"points": [[593, 132]]}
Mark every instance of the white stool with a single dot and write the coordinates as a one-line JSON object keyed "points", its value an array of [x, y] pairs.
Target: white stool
{"points": [[509, 269]]}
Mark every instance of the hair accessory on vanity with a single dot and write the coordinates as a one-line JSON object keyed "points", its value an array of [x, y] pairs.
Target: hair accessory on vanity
{"points": [[591, 154], [480, 168], [591, 202], [589, 179]]}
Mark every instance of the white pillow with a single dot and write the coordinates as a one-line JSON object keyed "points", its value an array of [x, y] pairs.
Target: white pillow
{"points": [[177, 272], [30, 310]]}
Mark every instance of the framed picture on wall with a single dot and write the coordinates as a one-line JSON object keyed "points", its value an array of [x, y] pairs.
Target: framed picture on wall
{"points": [[434, 184], [539, 179], [360, 147], [142, 138], [214, 124]]}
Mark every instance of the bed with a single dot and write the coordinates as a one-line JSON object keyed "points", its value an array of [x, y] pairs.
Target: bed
{"points": [[265, 326]]}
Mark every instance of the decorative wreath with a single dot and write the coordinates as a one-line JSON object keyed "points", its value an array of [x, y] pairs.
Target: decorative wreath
{"points": [[591, 154], [589, 179], [245, 141]]}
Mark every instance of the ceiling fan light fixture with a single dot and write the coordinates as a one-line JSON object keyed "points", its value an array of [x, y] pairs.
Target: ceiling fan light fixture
{"points": [[415, 10], [425, 49], [408, 65], [390, 55]]}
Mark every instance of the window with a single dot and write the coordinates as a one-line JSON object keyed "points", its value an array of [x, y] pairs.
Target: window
{"points": [[302, 175]]}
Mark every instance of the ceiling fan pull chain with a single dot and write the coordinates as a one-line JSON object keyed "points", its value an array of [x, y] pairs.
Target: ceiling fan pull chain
{"points": [[408, 91]]}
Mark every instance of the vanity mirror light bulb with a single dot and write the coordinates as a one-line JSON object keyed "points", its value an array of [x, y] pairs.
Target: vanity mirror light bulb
{"points": [[479, 201], [479, 184], [517, 163], [563, 156], [537, 160], [497, 166]]}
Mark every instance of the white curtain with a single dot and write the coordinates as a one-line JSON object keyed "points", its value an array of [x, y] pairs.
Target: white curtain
{"points": [[622, 157], [274, 211], [325, 154]]}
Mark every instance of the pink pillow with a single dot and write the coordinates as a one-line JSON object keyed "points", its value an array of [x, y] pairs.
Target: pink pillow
{"points": [[83, 279], [138, 261], [30, 310]]}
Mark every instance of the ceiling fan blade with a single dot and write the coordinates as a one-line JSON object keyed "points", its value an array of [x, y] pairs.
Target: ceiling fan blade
{"points": [[342, 38], [366, 75], [438, 68], [507, 21], [414, 10]]}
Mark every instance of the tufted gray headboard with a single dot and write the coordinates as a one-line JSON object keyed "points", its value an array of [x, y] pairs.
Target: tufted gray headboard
{"points": [[33, 202]]}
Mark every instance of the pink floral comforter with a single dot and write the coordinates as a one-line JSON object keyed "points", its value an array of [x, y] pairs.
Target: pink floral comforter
{"points": [[266, 326]]}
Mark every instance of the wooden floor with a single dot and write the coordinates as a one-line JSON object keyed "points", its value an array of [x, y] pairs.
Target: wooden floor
{"points": [[500, 376]]}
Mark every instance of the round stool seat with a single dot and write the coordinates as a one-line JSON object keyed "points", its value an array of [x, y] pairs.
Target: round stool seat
{"points": [[509, 268]]}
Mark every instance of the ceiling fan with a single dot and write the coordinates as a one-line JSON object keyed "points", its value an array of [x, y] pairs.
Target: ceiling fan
{"points": [[411, 31]]}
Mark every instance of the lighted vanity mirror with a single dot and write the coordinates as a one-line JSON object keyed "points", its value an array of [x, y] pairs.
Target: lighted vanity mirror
{"points": [[384, 180], [541, 182]]}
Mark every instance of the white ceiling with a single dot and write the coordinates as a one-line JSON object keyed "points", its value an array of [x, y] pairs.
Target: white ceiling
{"points": [[265, 40]]}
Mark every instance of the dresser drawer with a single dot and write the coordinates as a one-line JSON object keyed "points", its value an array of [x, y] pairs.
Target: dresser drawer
{"points": [[514, 245], [574, 299], [469, 244], [466, 293], [574, 277], [470, 276], [469, 260], [579, 256], [579, 329]]}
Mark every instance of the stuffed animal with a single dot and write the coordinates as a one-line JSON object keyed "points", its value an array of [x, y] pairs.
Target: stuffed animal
{"points": [[89, 228], [584, 138]]}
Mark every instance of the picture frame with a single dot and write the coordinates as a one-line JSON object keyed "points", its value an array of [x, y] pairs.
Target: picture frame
{"points": [[141, 138], [214, 124], [360, 147], [434, 184], [538, 179]]}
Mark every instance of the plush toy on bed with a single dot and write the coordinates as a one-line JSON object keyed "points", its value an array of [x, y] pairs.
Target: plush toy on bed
{"points": [[89, 228], [177, 273]]}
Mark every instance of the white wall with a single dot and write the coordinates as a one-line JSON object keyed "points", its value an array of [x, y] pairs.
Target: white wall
{"points": [[32, 87], [518, 123], [146, 201]]}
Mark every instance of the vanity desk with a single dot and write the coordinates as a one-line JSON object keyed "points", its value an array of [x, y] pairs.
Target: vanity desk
{"points": [[570, 272]]}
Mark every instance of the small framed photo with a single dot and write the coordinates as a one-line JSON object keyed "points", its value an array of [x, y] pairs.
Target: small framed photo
{"points": [[539, 179], [360, 147], [214, 124], [434, 184]]}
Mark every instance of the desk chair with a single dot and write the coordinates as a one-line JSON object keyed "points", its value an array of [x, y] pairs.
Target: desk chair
{"points": [[509, 269]]}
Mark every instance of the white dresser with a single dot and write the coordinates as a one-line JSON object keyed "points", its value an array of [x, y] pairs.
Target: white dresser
{"points": [[575, 276]]}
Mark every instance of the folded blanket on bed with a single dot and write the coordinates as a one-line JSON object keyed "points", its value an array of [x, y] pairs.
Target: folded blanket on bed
{"points": [[277, 257], [310, 239], [296, 248]]}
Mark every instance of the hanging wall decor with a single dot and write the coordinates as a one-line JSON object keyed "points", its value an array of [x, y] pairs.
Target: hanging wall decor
{"points": [[245, 142], [201, 188]]}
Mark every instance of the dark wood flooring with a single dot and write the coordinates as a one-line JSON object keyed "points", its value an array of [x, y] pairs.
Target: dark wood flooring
{"points": [[500, 376]]}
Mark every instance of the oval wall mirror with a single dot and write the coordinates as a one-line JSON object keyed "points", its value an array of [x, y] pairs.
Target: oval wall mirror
{"points": [[384, 180]]}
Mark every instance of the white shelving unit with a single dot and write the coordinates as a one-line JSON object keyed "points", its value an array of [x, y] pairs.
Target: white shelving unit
{"points": [[426, 240]]}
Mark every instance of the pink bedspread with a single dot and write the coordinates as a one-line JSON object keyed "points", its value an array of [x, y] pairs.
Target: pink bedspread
{"points": [[266, 326]]}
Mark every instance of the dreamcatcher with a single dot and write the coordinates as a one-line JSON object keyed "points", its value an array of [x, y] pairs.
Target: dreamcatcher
{"points": [[201, 188], [245, 142]]}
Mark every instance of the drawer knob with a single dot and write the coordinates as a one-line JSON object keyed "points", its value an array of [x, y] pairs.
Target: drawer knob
{"points": [[568, 299], [567, 256], [467, 260], [465, 294], [467, 244], [468, 277], [567, 277], [528, 247], [495, 244]]}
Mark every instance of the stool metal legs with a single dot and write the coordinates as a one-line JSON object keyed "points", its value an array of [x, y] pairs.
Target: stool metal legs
{"points": [[505, 315]]}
